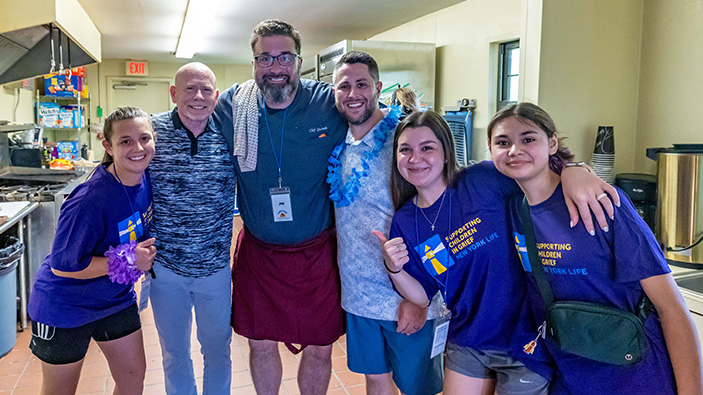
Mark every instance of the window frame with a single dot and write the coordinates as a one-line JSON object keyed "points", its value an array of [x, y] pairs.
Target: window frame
{"points": [[504, 58]]}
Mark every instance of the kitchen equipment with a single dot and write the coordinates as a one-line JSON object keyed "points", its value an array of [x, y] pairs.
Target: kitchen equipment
{"points": [[26, 157], [398, 62], [27, 48], [679, 218], [642, 190]]}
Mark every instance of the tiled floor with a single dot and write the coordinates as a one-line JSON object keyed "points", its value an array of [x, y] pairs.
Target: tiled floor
{"points": [[20, 371]]}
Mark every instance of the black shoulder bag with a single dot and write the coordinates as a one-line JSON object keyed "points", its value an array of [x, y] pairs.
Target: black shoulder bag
{"points": [[590, 330]]}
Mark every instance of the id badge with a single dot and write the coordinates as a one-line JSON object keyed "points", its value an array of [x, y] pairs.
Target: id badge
{"points": [[144, 294], [280, 203], [441, 330]]}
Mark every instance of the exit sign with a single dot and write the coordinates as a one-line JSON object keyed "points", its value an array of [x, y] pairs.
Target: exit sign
{"points": [[137, 68]]}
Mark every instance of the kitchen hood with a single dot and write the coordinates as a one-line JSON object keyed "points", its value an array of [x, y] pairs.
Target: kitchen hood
{"points": [[25, 42]]}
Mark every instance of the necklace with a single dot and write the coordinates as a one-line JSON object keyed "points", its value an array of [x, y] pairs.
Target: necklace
{"points": [[444, 194], [344, 195]]}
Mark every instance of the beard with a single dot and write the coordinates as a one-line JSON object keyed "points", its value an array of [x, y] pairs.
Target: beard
{"points": [[278, 93], [368, 112]]}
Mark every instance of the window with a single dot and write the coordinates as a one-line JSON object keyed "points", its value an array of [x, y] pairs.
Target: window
{"points": [[508, 73]]}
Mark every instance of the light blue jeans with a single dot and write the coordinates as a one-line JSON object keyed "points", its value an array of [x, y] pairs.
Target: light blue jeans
{"points": [[173, 298]]}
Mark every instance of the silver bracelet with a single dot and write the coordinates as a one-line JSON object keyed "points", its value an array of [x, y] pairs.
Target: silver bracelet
{"points": [[579, 164]]}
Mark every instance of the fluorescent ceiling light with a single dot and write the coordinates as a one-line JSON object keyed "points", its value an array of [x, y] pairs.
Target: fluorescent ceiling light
{"points": [[198, 18]]}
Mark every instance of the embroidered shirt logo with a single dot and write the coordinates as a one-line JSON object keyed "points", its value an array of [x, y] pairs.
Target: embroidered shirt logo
{"points": [[320, 131]]}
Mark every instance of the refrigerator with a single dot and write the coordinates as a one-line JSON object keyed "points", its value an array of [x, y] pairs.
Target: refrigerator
{"points": [[401, 64]]}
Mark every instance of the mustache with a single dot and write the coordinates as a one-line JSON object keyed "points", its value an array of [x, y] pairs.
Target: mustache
{"points": [[274, 75]]}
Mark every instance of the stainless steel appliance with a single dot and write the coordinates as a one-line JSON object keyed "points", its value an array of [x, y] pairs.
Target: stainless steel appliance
{"points": [[34, 34], [679, 219], [400, 64], [310, 69], [48, 190]]}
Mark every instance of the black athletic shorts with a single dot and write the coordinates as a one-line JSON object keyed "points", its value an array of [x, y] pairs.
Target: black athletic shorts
{"points": [[59, 346]]}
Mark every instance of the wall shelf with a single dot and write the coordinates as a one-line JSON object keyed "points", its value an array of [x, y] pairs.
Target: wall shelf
{"points": [[68, 132]]}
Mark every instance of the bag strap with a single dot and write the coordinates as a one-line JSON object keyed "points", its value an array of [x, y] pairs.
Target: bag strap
{"points": [[545, 290], [644, 307]]}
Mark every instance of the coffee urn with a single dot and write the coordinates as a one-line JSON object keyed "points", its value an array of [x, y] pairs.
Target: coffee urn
{"points": [[679, 217]]}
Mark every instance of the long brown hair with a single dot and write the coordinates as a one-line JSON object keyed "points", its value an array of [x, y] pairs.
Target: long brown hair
{"points": [[531, 112], [402, 190]]}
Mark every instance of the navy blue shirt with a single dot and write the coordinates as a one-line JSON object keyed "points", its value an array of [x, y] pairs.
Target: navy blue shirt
{"points": [[313, 127]]}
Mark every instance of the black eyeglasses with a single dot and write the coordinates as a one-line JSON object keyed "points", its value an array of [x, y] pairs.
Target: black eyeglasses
{"points": [[284, 59]]}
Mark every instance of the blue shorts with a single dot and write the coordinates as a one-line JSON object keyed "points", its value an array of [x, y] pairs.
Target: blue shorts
{"points": [[374, 347]]}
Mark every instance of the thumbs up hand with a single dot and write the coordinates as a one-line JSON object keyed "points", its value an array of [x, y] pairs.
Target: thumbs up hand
{"points": [[395, 252]]}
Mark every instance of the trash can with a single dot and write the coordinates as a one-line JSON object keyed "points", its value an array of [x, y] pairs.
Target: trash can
{"points": [[11, 250]]}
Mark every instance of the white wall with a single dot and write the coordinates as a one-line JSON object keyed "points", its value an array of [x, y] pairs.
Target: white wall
{"points": [[8, 99], [466, 36]]}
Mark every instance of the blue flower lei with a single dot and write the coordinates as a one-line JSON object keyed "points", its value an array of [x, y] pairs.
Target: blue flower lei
{"points": [[344, 195]]}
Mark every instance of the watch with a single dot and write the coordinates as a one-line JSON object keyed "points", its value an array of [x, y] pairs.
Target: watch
{"points": [[579, 164]]}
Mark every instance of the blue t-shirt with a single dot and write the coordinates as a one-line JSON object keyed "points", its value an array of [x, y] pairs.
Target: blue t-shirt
{"points": [[471, 257], [97, 215], [604, 269], [311, 127]]}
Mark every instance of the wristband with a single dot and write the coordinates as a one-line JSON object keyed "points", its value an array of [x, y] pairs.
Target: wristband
{"points": [[120, 263], [389, 270], [579, 164]]}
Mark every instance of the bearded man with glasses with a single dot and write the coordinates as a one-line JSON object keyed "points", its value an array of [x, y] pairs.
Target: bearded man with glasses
{"points": [[286, 286]]}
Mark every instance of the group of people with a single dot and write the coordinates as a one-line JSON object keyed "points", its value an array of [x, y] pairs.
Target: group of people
{"points": [[355, 222]]}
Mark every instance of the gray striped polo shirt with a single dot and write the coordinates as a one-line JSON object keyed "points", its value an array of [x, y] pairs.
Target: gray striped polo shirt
{"points": [[193, 182]]}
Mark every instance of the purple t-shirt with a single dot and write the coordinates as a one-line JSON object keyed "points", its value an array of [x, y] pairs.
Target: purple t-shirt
{"points": [[98, 214], [471, 257], [604, 269]]}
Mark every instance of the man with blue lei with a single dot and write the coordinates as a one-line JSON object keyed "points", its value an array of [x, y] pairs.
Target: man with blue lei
{"points": [[387, 338]]}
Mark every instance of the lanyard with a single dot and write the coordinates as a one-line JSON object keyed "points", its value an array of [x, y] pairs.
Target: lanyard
{"points": [[145, 234], [131, 208], [449, 229], [279, 157]]}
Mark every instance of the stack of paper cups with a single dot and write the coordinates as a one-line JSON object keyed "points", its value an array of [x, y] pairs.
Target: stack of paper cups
{"points": [[604, 154]]}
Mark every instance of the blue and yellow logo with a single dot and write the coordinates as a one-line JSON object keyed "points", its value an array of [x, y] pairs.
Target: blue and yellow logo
{"points": [[435, 257], [521, 247], [130, 228]]}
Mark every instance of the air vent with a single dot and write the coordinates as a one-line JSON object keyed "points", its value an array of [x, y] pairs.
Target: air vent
{"points": [[329, 56]]}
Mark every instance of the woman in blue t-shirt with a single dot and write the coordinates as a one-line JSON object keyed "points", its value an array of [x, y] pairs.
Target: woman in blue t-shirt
{"points": [[450, 234], [85, 287], [614, 267]]}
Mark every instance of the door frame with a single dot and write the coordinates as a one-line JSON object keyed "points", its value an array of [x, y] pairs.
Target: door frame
{"points": [[116, 79]]}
